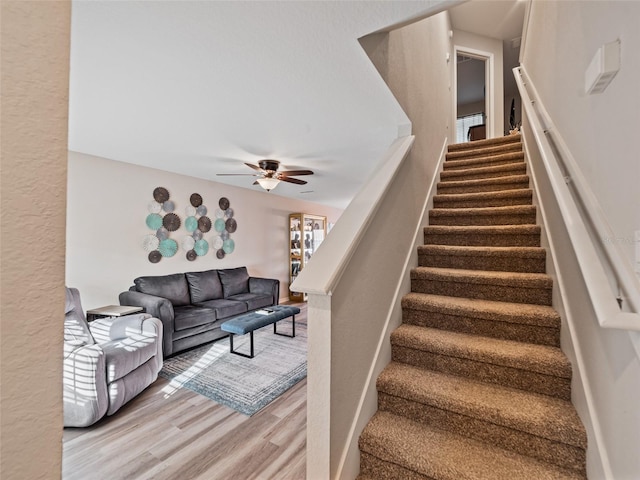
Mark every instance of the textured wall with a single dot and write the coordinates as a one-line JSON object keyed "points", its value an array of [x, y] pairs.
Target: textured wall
{"points": [[107, 207], [35, 64], [600, 131]]}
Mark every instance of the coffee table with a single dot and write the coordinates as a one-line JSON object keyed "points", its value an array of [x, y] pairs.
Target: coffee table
{"points": [[251, 321]]}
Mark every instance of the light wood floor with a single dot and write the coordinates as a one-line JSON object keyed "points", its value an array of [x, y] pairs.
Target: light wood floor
{"points": [[187, 436]]}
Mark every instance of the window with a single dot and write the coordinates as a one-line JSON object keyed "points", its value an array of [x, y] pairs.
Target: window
{"points": [[463, 124]]}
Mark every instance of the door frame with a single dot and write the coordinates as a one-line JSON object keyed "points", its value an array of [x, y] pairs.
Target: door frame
{"points": [[489, 81]]}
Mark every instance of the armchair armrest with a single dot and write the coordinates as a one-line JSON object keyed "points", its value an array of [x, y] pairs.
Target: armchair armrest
{"points": [[85, 386], [270, 286], [157, 307], [115, 328]]}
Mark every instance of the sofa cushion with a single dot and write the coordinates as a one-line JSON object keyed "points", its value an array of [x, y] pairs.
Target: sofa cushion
{"points": [[253, 300], [172, 287], [204, 286], [225, 308], [190, 316], [234, 281]]}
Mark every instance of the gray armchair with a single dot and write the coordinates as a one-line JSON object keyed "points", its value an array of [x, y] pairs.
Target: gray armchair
{"points": [[107, 362]]}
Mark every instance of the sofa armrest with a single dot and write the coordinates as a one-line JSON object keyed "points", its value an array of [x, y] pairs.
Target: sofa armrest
{"points": [[270, 286], [158, 307]]}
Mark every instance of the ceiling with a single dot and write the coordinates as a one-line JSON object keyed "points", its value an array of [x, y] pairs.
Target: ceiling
{"points": [[200, 87]]}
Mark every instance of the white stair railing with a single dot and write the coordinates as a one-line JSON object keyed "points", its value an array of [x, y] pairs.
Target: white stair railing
{"points": [[613, 287]]}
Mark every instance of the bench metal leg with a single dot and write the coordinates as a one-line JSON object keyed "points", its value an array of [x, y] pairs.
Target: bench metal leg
{"points": [[293, 325], [239, 353]]}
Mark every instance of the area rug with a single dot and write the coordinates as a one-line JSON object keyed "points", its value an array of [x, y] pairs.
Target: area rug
{"points": [[244, 384]]}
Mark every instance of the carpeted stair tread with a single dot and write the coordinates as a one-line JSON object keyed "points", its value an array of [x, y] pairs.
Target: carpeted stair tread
{"points": [[439, 455], [488, 285], [484, 151], [527, 252], [495, 159], [498, 141], [526, 314], [532, 413], [484, 199], [511, 321], [477, 173], [508, 215], [542, 359], [512, 259], [483, 235], [508, 182]]}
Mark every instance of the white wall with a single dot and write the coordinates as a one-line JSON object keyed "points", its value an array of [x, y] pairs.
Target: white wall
{"points": [[106, 211], [600, 131], [350, 340], [477, 44], [35, 83]]}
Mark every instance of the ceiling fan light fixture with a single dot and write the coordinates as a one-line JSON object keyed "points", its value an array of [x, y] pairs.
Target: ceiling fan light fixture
{"points": [[268, 183]]}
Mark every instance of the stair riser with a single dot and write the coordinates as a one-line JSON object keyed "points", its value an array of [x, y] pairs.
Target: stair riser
{"points": [[439, 202], [482, 220], [480, 174], [479, 326], [483, 162], [489, 263], [444, 188], [482, 239], [380, 470], [487, 142], [483, 291], [480, 370], [566, 456], [483, 152]]}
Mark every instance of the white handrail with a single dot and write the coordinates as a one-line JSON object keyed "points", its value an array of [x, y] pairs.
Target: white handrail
{"points": [[328, 263], [556, 157]]}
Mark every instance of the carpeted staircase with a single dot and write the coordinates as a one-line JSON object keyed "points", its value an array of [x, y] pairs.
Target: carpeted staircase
{"points": [[478, 387]]}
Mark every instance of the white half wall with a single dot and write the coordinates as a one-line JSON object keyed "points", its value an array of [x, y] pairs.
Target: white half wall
{"points": [[106, 211]]}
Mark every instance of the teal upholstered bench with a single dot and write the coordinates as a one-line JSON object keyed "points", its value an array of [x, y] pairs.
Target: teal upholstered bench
{"points": [[251, 321]]}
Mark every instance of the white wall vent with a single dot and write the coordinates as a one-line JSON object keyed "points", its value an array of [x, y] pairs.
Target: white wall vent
{"points": [[603, 68]]}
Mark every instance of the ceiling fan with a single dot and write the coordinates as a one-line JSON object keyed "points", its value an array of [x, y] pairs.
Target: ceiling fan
{"points": [[270, 176]]}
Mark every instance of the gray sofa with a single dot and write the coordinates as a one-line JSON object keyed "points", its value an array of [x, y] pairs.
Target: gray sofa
{"points": [[193, 305]]}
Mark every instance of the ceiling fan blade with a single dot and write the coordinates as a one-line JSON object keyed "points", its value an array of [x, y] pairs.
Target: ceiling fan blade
{"points": [[289, 173], [255, 167], [237, 175], [297, 181]]}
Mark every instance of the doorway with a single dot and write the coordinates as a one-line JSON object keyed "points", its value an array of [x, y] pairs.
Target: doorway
{"points": [[473, 89]]}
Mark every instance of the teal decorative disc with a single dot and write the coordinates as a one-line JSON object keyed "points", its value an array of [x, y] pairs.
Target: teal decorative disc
{"points": [[168, 247], [219, 225], [228, 246], [191, 223], [154, 221], [201, 247]]}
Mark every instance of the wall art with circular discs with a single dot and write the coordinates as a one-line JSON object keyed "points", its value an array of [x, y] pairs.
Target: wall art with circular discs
{"points": [[224, 225], [162, 221], [197, 224]]}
